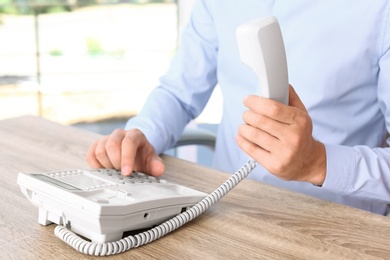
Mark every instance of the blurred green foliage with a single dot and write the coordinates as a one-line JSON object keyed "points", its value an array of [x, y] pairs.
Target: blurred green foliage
{"points": [[50, 6], [41, 6], [94, 47]]}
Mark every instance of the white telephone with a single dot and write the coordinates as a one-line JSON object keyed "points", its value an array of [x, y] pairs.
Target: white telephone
{"points": [[101, 204]]}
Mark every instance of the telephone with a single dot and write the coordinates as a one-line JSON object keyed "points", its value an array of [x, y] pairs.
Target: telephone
{"points": [[100, 204]]}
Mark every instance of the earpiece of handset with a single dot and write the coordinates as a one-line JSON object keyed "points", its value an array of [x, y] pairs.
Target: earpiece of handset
{"points": [[261, 47]]}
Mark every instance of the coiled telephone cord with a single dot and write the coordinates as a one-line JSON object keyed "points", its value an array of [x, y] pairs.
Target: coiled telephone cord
{"points": [[129, 242]]}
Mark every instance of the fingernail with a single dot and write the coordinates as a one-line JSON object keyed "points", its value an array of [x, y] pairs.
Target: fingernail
{"points": [[126, 170]]}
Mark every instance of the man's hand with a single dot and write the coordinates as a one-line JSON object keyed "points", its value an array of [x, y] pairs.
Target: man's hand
{"points": [[125, 150], [279, 137]]}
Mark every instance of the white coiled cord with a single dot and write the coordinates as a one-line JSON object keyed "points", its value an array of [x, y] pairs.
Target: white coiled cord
{"points": [[129, 242]]}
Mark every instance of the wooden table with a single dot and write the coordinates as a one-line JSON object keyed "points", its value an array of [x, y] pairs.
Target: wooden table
{"points": [[254, 221]]}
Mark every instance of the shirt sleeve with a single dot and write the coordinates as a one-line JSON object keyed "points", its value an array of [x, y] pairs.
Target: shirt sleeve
{"points": [[186, 87], [360, 170]]}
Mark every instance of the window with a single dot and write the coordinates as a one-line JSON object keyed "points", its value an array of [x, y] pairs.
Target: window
{"points": [[83, 60]]}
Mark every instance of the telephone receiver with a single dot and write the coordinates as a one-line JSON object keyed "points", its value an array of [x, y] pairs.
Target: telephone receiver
{"points": [[261, 48]]}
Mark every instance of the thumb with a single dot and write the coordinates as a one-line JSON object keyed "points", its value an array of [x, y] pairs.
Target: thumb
{"points": [[294, 99], [157, 166]]}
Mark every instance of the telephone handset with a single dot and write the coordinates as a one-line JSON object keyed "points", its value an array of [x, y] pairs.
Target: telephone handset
{"points": [[101, 204], [261, 48]]}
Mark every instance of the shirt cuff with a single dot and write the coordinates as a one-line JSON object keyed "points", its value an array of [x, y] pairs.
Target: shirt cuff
{"points": [[340, 168]]}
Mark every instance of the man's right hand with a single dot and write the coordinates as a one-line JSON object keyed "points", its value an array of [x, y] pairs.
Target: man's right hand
{"points": [[125, 150]]}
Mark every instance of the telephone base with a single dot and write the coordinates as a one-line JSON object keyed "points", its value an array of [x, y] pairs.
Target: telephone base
{"points": [[101, 205]]}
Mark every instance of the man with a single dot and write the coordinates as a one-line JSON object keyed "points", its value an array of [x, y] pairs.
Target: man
{"points": [[338, 114]]}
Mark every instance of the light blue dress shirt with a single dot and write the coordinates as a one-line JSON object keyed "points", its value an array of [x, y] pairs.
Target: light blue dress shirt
{"points": [[339, 64]]}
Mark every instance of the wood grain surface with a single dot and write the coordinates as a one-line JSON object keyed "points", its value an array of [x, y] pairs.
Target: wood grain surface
{"points": [[253, 221]]}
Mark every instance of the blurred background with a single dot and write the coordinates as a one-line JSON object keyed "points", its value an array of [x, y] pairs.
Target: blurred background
{"points": [[88, 63], [83, 60]]}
